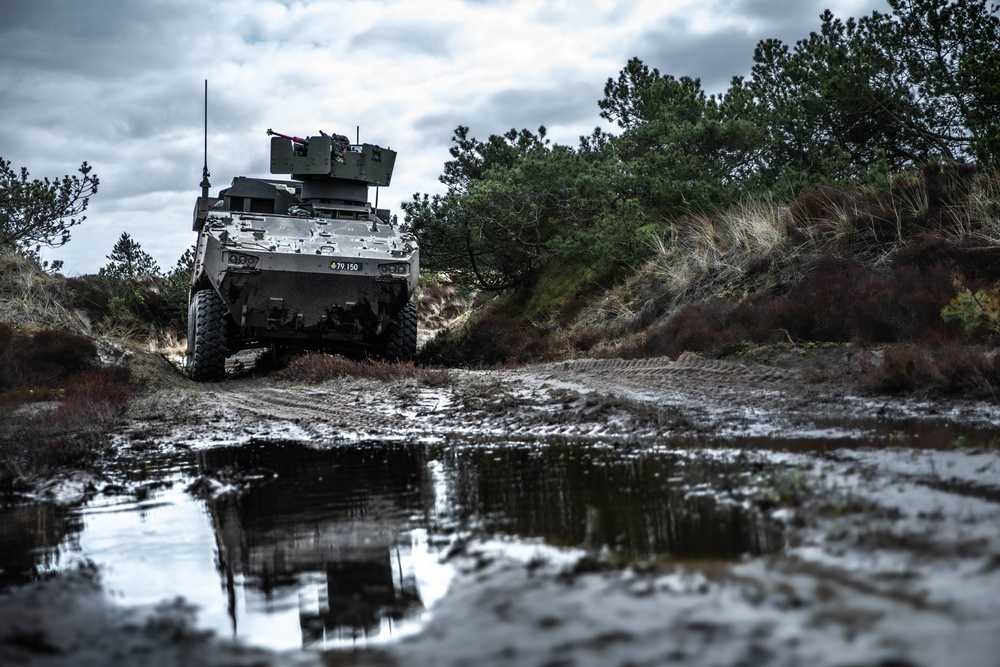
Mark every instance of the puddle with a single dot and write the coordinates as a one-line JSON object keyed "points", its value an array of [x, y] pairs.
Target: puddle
{"points": [[345, 547]]}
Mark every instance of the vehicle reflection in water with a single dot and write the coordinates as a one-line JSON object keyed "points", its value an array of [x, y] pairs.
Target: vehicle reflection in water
{"points": [[349, 539], [341, 515]]}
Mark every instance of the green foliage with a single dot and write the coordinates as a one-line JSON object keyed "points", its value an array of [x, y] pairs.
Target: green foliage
{"points": [[681, 150], [513, 202], [978, 312], [36, 213], [949, 54], [558, 289], [898, 90], [176, 288], [121, 310], [128, 264], [128, 261]]}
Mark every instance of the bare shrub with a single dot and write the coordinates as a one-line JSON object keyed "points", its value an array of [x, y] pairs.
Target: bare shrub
{"points": [[698, 327], [950, 369], [315, 367], [95, 396], [42, 357], [441, 301], [489, 340], [21, 395]]}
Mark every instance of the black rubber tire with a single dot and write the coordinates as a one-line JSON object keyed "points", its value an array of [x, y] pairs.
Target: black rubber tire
{"points": [[206, 337], [401, 337]]}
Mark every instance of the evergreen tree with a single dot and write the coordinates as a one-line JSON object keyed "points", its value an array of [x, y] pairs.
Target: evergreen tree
{"points": [[37, 213], [129, 261]]}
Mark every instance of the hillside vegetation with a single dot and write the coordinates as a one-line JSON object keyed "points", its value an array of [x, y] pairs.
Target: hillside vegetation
{"points": [[845, 192]]}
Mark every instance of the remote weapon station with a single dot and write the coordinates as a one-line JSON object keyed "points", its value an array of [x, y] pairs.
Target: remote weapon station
{"points": [[304, 263]]}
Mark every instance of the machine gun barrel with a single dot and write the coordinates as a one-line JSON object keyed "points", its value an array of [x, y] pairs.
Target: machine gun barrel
{"points": [[297, 140]]}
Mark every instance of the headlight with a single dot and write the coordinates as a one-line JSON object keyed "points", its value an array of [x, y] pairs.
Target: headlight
{"points": [[394, 269], [238, 259]]}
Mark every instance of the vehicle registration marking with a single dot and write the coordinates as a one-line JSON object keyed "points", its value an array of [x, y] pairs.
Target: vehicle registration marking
{"points": [[345, 266]]}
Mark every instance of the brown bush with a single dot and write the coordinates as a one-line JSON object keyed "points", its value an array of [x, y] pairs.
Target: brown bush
{"points": [[840, 300], [69, 434], [489, 340], [586, 338], [96, 396], [823, 205], [315, 367], [42, 358], [951, 369], [699, 327]]}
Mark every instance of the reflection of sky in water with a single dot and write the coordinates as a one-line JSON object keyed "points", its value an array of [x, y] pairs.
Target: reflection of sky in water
{"points": [[341, 547], [167, 549]]}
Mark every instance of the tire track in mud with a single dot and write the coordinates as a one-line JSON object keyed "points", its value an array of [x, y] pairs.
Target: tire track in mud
{"points": [[315, 410], [665, 367], [706, 394], [691, 392]]}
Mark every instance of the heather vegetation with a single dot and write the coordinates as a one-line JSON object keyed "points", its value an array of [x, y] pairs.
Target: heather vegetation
{"points": [[845, 192], [60, 384]]}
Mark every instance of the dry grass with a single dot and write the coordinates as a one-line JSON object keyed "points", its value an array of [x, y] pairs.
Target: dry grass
{"points": [[29, 296], [727, 255], [762, 247]]}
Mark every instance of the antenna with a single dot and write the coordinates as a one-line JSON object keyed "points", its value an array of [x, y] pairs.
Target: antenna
{"points": [[205, 185]]}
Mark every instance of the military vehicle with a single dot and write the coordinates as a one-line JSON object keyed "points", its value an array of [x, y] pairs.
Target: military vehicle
{"points": [[303, 263]]}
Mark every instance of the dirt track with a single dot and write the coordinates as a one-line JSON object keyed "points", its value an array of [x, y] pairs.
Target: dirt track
{"points": [[789, 395]]}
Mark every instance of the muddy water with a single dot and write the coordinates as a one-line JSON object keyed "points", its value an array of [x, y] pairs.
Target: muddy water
{"points": [[284, 545]]}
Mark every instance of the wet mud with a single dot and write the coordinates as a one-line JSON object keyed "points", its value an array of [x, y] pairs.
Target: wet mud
{"points": [[585, 513]]}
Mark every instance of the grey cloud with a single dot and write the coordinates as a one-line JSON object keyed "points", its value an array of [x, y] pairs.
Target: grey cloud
{"points": [[778, 14], [792, 20], [714, 59], [93, 38], [516, 108], [717, 57], [410, 38], [119, 83], [568, 104], [437, 129]]}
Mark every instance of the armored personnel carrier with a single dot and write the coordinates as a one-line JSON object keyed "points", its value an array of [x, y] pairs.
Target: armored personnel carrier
{"points": [[303, 263]]}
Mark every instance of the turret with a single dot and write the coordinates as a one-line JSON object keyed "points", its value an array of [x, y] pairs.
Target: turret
{"points": [[333, 171]]}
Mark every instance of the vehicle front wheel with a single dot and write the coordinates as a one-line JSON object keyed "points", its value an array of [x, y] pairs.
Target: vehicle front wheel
{"points": [[206, 337], [401, 338]]}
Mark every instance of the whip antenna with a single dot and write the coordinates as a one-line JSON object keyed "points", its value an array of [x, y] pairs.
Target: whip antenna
{"points": [[205, 185]]}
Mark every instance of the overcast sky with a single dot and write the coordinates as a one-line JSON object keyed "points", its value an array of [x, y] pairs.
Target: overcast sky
{"points": [[120, 84]]}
